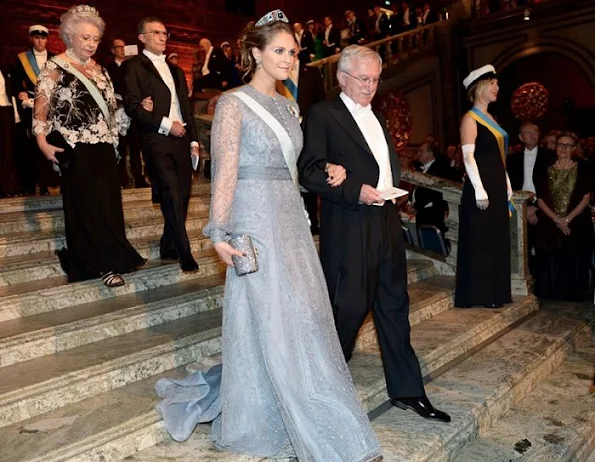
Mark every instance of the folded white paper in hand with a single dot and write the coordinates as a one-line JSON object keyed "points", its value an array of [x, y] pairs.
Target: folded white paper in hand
{"points": [[393, 193], [195, 159]]}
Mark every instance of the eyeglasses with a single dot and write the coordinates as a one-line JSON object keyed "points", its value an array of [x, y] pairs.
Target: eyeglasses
{"points": [[365, 80], [157, 33], [565, 146]]}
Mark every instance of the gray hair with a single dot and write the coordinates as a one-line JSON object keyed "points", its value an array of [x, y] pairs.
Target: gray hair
{"points": [[76, 15], [354, 52]]}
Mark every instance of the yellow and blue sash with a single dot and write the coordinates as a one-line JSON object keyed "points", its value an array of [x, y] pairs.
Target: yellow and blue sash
{"points": [[29, 63], [501, 137], [289, 87]]}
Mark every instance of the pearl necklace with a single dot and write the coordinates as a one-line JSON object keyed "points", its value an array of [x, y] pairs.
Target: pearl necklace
{"points": [[72, 56]]}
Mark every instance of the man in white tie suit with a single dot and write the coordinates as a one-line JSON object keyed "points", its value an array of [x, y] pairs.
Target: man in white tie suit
{"points": [[361, 242], [169, 135]]}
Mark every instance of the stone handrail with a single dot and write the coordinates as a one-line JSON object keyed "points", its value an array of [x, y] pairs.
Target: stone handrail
{"points": [[452, 191], [393, 50]]}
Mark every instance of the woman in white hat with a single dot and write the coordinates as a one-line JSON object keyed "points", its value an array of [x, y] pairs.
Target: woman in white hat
{"points": [[483, 259]]}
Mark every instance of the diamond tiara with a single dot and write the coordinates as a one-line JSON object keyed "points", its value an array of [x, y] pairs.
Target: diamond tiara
{"points": [[272, 16]]}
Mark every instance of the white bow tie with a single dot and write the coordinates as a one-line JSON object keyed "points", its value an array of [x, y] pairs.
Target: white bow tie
{"points": [[361, 110], [160, 58]]}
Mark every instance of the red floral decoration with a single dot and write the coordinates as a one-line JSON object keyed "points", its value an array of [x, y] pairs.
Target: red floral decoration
{"points": [[399, 118], [530, 101]]}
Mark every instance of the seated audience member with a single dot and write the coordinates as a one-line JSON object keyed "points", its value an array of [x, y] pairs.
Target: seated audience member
{"points": [[565, 229], [429, 205]]}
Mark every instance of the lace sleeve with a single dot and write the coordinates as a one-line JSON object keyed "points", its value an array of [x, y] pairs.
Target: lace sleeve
{"points": [[225, 152], [47, 84]]}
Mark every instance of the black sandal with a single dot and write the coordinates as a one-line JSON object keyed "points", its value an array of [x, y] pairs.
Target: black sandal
{"points": [[112, 279]]}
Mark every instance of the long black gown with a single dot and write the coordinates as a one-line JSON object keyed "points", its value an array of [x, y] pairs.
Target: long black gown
{"points": [[483, 258], [92, 199]]}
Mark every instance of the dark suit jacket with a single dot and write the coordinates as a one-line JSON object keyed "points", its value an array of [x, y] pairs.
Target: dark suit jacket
{"points": [[384, 26], [20, 81], [219, 70], [332, 135], [142, 79], [431, 18], [117, 74], [334, 40], [306, 47], [433, 214], [358, 31], [516, 168]]}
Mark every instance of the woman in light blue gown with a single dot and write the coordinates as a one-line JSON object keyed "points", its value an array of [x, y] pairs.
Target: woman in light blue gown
{"points": [[283, 389]]}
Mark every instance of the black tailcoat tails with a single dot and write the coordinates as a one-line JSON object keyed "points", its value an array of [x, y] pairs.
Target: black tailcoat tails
{"points": [[168, 158], [361, 247]]}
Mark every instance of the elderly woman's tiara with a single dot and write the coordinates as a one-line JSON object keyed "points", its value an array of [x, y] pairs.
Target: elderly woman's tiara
{"points": [[86, 10], [272, 16]]}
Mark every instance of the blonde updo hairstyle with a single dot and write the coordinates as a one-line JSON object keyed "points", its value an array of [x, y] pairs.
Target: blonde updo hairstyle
{"points": [[477, 89], [258, 37], [76, 15]]}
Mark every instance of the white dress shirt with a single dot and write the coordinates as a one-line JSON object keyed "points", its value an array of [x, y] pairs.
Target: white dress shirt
{"points": [[298, 37], [424, 169], [406, 17], [528, 165], [175, 113], [327, 32], [374, 136], [4, 101], [205, 66], [41, 57]]}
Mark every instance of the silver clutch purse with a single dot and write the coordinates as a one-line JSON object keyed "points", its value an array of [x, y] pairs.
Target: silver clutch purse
{"points": [[248, 263]]}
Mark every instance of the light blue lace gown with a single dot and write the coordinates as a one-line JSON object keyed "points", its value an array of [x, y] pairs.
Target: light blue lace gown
{"points": [[285, 388]]}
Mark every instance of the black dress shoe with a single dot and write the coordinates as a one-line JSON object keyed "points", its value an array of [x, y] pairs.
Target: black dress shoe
{"points": [[188, 265], [493, 305], [168, 255], [422, 406]]}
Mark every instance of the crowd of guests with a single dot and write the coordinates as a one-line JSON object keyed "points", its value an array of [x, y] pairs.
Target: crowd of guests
{"points": [[559, 169]]}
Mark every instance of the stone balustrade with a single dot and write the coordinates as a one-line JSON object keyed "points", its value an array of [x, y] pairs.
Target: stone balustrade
{"points": [[451, 191]]}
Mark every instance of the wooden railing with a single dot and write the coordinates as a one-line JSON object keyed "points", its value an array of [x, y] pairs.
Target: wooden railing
{"points": [[451, 192]]}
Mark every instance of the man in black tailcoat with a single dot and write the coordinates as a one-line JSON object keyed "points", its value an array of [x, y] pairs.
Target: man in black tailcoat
{"points": [[361, 243], [169, 135]]}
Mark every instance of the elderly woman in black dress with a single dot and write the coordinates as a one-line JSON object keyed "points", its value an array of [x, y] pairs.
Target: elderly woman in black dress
{"points": [[565, 228], [77, 129]]}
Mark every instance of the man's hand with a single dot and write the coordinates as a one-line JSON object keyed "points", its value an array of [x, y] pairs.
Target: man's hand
{"points": [[532, 215], [369, 195], [23, 96], [177, 129]]}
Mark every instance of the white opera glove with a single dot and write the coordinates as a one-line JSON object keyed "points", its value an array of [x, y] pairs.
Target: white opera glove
{"points": [[481, 196], [508, 188]]}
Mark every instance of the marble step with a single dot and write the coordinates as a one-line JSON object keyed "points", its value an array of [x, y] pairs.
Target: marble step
{"points": [[20, 243], [79, 371], [555, 422], [27, 299], [19, 204], [45, 220], [118, 423], [483, 388], [23, 269], [428, 298], [23, 339]]}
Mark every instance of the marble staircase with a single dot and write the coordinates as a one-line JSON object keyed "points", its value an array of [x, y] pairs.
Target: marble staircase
{"points": [[78, 361]]}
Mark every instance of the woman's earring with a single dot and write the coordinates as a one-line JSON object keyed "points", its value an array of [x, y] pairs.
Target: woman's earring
{"points": [[258, 63]]}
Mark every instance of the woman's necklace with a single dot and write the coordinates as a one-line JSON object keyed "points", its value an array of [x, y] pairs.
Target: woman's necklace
{"points": [[73, 57], [564, 165]]}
